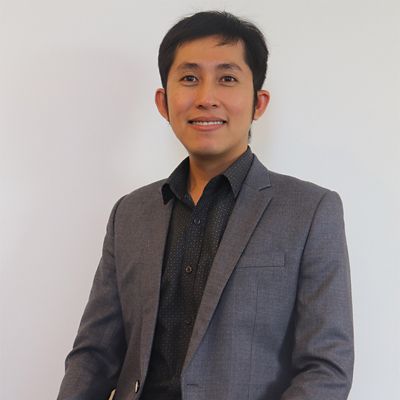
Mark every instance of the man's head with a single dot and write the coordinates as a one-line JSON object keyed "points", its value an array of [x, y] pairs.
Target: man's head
{"points": [[229, 28], [212, 67]]}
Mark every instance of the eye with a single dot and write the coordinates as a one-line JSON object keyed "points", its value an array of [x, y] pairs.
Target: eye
{"points": [[228, 79], [189, 79]]}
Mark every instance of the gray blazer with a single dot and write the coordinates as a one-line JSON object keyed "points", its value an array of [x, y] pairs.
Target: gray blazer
{"points": [[275, 321]]}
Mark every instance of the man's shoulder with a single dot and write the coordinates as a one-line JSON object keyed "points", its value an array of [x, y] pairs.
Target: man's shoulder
{"points": [[151, 189], [298, 197], [293, 184], [287, 185], [144, 198]]}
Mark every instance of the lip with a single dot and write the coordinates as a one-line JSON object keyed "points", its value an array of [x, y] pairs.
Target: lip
{"points": [[205, 118], [208, 127]]}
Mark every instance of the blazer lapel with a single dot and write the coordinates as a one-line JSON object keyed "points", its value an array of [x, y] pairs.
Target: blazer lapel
{"points": [[251, 203], [154, 254]]}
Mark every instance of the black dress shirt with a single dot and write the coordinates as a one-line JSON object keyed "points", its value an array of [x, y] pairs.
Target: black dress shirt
{"points": [[194, 234]]}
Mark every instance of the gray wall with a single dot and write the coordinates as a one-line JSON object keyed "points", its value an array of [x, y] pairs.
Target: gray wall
{"points": [[79, 129]]}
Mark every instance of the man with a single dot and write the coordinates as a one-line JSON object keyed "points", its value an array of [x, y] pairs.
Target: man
{"points": [[225, 281]]}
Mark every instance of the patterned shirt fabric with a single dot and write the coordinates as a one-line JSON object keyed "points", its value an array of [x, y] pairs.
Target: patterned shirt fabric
{"points": [[194, 234]]}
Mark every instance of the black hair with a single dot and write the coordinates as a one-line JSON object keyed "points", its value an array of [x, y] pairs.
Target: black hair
{"points": [[230, 28]]}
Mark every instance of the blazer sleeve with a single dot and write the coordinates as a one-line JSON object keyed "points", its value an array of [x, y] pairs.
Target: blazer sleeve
{"points": [[92, 367], [323, 353]]}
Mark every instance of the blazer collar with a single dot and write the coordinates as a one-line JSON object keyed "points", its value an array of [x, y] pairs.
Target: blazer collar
{"points": [[250, 205], [153, 252]]}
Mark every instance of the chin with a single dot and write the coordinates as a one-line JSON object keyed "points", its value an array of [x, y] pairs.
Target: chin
{"points": [[204, 151]]}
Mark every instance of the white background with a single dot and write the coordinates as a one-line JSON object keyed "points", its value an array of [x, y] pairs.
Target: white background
{"points": [[79, 129]]}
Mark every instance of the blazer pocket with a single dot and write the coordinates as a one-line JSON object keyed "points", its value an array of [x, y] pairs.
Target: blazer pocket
{"points": [[261, 260]]}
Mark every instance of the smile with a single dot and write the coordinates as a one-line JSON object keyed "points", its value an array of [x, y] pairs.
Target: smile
{"points": [[205, 123]]}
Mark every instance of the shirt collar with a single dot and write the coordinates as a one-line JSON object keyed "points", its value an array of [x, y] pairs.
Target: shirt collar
{"points": [[176, 184], [237, 172]]}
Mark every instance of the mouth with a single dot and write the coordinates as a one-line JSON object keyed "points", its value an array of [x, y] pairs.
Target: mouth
{"points": [[207, 122]]}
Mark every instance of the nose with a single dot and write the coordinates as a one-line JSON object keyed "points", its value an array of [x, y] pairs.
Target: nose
{"points": [[207, 96]]}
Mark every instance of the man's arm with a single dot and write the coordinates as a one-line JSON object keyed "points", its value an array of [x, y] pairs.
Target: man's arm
{"points": [[323, 353], [92, 367]]}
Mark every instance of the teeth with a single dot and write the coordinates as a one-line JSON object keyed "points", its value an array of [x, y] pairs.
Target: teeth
{"points": [[207, 122]]}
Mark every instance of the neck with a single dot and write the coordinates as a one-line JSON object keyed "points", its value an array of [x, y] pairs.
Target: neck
{"points": [[202, 171]]}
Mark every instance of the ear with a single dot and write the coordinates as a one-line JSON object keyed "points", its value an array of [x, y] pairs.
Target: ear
{"points": [[263, 97], [161, 103]]}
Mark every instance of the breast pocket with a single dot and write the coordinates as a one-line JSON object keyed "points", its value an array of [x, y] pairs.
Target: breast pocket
{"points": [[262, 260]]}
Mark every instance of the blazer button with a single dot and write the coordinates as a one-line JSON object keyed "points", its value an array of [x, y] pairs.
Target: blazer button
{"points": [[137, 386]]}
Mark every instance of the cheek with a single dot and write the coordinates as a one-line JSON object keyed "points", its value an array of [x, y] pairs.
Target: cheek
{"points": [[179, 103], [239, 102], [241, 110]]}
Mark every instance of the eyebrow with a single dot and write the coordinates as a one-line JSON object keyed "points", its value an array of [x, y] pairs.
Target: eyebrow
{"points": [[223, 67]]}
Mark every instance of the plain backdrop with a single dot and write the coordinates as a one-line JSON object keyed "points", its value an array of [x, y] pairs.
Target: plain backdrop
{"points": [[79, 128]]}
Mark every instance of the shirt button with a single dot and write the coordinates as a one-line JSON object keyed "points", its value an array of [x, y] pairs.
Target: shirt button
{"points": [[137, 386], [188, 269], [197, 221], [188, 321]]}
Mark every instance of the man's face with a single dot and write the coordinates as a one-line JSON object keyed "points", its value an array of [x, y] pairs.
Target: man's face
{"points": [[210, 97]]}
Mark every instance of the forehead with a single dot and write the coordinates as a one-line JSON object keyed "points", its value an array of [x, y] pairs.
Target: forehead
{"points": [[209, 51]]}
